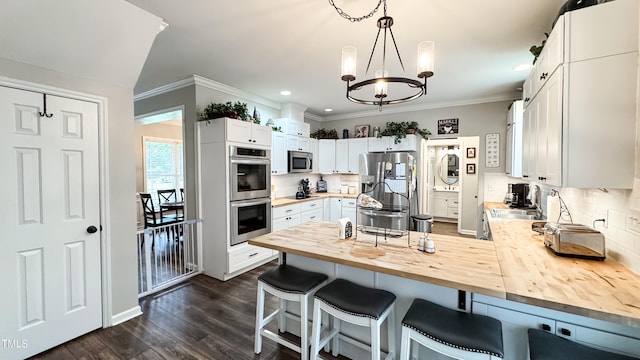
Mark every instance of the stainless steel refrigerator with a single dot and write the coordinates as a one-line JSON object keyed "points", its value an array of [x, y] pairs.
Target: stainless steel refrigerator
{"points": [[390, 178]]}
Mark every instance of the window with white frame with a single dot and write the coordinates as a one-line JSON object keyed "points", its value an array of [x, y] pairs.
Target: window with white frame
{"points": [[163, 165]]}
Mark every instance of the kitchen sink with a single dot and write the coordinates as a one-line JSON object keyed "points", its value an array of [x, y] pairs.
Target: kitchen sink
{"points": [[522, 214]]}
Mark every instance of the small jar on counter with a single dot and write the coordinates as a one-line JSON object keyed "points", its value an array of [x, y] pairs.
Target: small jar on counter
{"points": [[429, 246], [421, 243]]}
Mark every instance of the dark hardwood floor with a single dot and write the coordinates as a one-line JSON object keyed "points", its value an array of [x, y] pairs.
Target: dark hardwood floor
{"points": [[202, 318], [446, 228]]}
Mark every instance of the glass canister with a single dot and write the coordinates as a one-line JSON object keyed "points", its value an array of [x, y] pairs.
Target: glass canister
{"points": [[345, 133], [376, 131]]}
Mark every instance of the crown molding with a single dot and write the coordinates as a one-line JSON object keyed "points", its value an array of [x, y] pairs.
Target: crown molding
{"points": [[164, 89], [417, 107], [230, 90], [209, 84]]}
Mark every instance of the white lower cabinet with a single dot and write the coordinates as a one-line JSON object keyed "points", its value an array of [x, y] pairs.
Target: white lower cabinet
{"points": [[516, 323], [285, 216], [445, 204], [241, 256], [311, 211], [335, 209]]}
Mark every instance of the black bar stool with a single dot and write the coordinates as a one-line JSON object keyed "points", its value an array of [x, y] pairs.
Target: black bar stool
{"points": [[289, 284], [450, 332], [547, 346], [358, 305]]}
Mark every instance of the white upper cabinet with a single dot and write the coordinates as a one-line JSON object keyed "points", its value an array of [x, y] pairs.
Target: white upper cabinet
{"points": [[602, 30], [513, 161], [233, 130], [347, 154], [577, 125], [243, 131], [327, 156], [387, 143], [313, 149], [293, 127], [297, 134], [342, 158], [278, 154]]}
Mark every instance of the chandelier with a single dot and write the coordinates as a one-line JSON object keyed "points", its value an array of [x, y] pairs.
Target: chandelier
{"points": [[379, 84]]}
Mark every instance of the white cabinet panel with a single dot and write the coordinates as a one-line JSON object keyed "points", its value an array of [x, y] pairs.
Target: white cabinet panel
{"points": [[327, 156], [246, 132], [387, 143], [278, 154]]}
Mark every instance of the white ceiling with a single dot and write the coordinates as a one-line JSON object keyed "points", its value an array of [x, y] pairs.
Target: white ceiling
{"points": [[263, 47], [79, 37]]}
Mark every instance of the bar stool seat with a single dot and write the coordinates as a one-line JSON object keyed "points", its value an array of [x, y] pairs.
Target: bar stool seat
{"points": [[356, 304], [288, 283], [547, 346], [454, 333]]}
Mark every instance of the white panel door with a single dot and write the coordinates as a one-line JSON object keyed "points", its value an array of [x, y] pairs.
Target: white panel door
{"points": [[50, 259]]}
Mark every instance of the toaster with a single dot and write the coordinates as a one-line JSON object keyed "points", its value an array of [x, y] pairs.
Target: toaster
{"points": [[574, 240]]}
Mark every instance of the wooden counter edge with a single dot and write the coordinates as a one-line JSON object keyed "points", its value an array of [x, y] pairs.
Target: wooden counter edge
{"points": [[576, 310]]}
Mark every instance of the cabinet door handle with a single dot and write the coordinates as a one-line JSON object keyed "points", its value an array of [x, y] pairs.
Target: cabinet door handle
{"points": [[546, 327], [288, 211], [565, 332], [252, 255], [313, 217], [312, 205]]}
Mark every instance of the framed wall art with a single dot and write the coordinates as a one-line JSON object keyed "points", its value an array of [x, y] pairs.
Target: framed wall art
{"points": [[362, 131], [471, 168], [471, 152], [448, 126]]}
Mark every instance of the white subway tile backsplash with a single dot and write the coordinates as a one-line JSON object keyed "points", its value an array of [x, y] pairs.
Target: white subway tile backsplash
{"points": [[622, 240]]}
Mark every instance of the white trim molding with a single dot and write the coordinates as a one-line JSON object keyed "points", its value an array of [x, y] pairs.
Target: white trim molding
{"points": [[126, 315], [210, 84]]}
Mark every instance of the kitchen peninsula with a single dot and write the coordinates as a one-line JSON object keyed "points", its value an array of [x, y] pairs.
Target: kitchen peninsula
{"points": [[513, 274]]}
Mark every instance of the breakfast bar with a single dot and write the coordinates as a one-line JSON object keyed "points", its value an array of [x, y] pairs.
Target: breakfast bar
{"points": [[514, 272]]}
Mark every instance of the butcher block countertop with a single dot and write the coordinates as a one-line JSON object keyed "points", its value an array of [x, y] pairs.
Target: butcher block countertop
{"points": [[514, 266], [457, 263], [283, 201], [532, 274]]}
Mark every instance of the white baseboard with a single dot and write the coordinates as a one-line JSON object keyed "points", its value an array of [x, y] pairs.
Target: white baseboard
{"points": [[126, 315]]}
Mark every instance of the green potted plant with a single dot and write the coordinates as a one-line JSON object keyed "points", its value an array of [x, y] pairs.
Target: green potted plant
{"points": [[399, 130], [235, 110], [324, 134]]}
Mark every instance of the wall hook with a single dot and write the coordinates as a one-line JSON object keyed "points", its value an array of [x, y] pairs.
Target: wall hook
{"points": [[44, 100]]}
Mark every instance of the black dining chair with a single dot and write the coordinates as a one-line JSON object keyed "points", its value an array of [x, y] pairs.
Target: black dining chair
{"points": [[169, 196], [182, 194], [151, 218]]}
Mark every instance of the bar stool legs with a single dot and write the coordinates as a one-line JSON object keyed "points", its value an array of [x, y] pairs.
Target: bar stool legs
{"points": [[345, 301], [288, 284]]}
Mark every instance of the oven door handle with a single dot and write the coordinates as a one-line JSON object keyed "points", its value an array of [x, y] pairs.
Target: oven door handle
{"points": [[250, 202], [251, 161]]}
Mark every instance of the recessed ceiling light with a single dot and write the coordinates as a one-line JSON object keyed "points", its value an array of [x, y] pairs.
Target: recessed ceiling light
{"points": [[522, 67], [328, 110], [285, 92]]}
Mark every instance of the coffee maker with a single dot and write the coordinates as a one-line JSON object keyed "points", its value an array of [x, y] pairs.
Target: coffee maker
{"points": [[519, 193]]}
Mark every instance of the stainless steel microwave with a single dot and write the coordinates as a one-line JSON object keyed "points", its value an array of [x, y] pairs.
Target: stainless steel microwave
{"points": [[300, 161]]}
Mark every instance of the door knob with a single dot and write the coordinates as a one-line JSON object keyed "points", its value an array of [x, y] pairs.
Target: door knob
{"points": [[91, 229]]}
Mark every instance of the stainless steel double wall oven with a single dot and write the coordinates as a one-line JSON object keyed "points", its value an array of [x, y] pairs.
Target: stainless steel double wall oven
{"points": [[250, 187]]}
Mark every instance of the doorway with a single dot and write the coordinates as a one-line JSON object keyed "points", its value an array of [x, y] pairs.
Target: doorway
{"points": [[167, 246], [51, 259]]}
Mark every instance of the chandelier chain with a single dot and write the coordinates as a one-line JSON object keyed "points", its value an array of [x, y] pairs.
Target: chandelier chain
{"points": [[360, 18]]}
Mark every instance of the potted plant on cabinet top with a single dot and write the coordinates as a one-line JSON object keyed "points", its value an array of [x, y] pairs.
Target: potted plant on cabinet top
{"points": [[324, 134], [399, 130], [237, 110]]}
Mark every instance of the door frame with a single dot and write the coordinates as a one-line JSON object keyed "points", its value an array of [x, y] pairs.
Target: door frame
{"points": [[105, 201]]}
